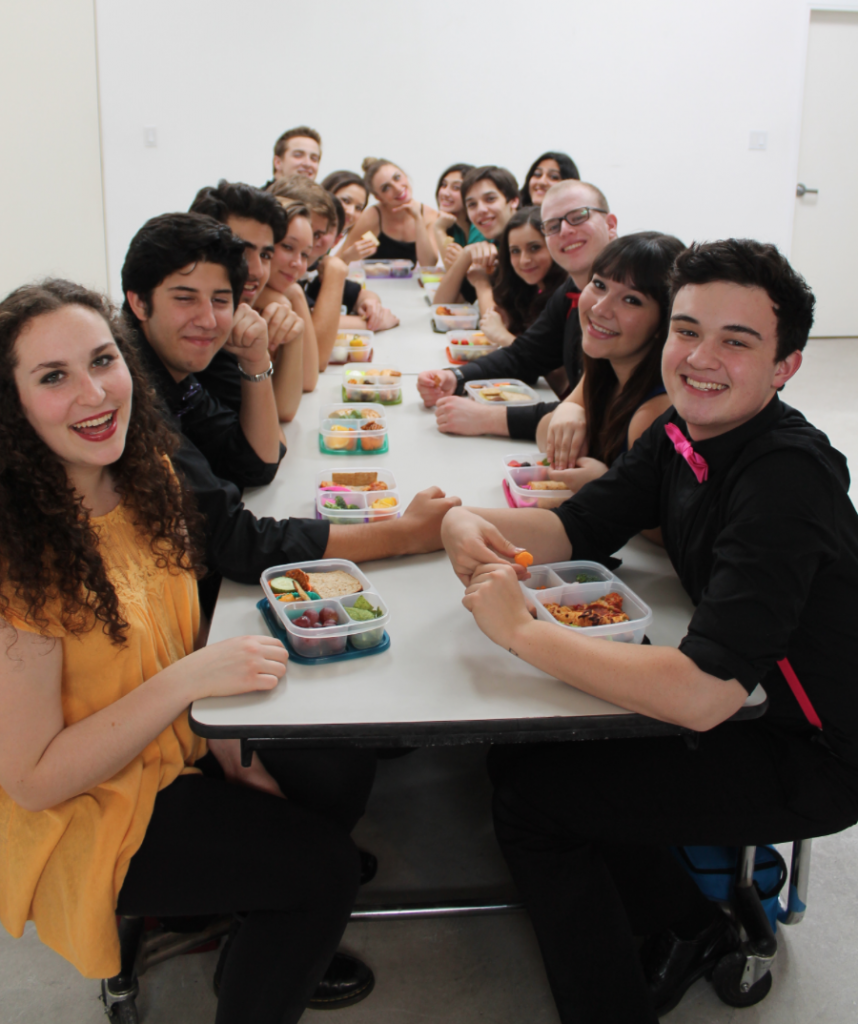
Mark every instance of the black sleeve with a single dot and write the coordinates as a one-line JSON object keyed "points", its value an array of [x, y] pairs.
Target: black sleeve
{"points": [[522, 421], [311, 290], [535, 351], [215, 430], [237, 544], [222, 380], [605, 513], [351, 293], [781, 528]]}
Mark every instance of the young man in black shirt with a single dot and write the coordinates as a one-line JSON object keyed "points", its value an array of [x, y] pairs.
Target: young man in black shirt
{"points": [[577, 226], [259, 221], [753, 505], [182, 277]]}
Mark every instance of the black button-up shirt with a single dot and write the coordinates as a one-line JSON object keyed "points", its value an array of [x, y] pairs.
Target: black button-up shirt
{"points": [[552, 341], [767, 549], [216, 460]]}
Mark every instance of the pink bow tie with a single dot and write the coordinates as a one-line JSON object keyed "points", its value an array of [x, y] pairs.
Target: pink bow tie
{"points": [[698, 464]]}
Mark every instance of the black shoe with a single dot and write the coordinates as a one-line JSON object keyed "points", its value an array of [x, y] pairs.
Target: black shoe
{"points": [[368, 866], [347, 980], [672, 965]]}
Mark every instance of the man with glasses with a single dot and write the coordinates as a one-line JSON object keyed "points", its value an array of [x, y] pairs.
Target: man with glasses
{"points": [[577, 226]]}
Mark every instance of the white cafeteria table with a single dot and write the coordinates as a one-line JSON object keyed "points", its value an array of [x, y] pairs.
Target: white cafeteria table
{"points": [[442, 680]]}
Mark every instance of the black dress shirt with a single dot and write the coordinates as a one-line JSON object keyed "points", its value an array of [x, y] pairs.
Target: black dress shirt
{"points": [[767, 549], [552, 340], [215, 460]]}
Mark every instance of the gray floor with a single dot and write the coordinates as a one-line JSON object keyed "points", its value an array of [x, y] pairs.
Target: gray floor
{"points": [[488, 970]]}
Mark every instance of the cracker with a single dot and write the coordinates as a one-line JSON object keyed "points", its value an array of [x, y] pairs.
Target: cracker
{"points": [[355, 479], [370, 237]]}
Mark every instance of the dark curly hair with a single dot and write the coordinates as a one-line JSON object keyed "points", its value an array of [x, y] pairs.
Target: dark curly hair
{"points": [[522, 302], [753, 265], [48, 548], [240, 200]]}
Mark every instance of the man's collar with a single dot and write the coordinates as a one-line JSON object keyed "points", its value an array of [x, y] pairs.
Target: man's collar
{"points": [[179, 395], [720, 452]]}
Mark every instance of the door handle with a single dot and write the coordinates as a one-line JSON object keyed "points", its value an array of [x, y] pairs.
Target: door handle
{"points": [[803, 190]]}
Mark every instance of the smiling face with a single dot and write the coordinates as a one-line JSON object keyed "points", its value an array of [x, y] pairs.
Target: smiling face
{"points": [[292, 254], [354, 199], [301, 156], [488, 208], [450, 193], [719, 363], [258, 241], [617, 323], [529, 254], [391, 186], [189, 319], [576, 248], [546, 174], [74, 386]]}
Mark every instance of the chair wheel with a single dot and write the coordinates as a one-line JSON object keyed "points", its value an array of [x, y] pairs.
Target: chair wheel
{"points": [[123, 1013], [727, 981]]}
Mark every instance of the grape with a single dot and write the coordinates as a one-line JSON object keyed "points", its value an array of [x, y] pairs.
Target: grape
{"points": [[302, 622], [312, 615], [318, 625], [329, 615]]}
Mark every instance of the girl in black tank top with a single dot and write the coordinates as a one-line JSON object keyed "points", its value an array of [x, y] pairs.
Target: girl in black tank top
{"points": [[398, 220]]}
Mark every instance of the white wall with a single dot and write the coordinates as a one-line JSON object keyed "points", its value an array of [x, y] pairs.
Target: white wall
{"points": [[51, 205], [654, 101]]}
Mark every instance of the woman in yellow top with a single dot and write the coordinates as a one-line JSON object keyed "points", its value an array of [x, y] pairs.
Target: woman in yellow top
{"points": [[101, 809]]}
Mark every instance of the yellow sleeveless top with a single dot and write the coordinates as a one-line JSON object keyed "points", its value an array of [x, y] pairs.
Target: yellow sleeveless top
{"points": [[63, 868]]}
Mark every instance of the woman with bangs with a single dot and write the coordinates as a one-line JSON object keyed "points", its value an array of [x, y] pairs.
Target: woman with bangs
{"points": [[453, 230], [624, 316], [109, 804], [402, 224]]}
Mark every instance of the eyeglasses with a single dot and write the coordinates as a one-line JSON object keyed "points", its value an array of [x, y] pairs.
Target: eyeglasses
{"points": [[573, 218]]}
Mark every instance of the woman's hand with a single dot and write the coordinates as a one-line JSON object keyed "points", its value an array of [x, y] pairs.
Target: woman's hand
{"points": [[452, 251], [567, 435], [457, 415], [242, 664], [494, 328], [483, 255], [497, 603], [362, 249], [228, 754], [582, 473], [284, 325], [412, 208], [444, 221], [471, 542], [434, 384]]}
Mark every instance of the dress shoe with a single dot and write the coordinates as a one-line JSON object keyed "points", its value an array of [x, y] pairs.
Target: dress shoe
{"points": [[368, 866], [672, 965], [347, 980]]}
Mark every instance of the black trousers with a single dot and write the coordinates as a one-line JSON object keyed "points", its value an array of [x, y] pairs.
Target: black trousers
{"points": [[288, 865], [585, 827]]}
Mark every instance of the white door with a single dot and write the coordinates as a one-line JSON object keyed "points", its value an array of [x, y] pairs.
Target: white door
{"points": [[826, 220]]}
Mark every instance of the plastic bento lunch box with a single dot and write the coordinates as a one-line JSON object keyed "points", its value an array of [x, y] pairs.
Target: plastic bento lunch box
{"points": [[387, 268], [352, 347], [501, 391], [465, 346], [455, 316], [382, 384], [362, 495], [304, 620], [557, 584], [531, 487], [353, 429], [430, 275]]}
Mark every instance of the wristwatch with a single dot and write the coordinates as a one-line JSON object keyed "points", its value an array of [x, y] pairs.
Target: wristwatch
{"points": [[460, 379], [256, 378]]}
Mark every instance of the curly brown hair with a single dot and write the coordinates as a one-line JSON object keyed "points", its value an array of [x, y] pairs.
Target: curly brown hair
{"points": [[48, 547]]}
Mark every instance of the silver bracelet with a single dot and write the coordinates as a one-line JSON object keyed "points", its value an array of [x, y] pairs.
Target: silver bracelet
{"points": [[256, 378]]}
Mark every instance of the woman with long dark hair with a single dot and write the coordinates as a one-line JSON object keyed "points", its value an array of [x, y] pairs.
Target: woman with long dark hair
{"points": [[545, 171], [453, 230], [109, 803], [624, 313]]}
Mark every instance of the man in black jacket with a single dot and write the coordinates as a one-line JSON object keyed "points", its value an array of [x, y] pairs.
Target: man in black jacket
{"points": [[577, 225], [183, 276]]}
